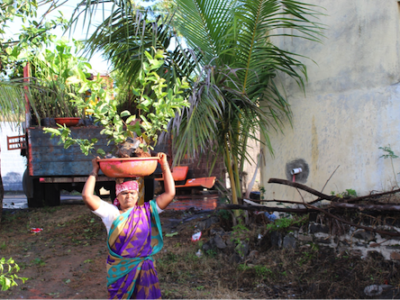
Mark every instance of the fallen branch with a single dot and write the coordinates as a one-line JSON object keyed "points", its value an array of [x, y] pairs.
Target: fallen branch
{"points": [[377, 195], [322, 196], [310, 208], [387, 207], [303, 187], [266, 208], [382, 232], [280, 201]]}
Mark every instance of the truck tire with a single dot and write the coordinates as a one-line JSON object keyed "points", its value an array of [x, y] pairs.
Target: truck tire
{"points": [[33, 191], [40, 194], [51, 194], [27, 184]]}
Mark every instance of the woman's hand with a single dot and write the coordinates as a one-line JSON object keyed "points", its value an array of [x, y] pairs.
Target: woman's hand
{"points": [[95, 165], [162, 158]]}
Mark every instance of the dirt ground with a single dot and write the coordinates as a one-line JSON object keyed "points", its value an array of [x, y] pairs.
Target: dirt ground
{"points": [[67, 260]]}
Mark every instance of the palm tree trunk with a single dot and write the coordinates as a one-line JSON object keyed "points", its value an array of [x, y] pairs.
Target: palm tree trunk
{"points": [[237, 176], [245, 140], [237, 172], [230, 172]]}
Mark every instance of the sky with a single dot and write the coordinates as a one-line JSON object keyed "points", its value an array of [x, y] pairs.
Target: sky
{"points": [[97, 62]]}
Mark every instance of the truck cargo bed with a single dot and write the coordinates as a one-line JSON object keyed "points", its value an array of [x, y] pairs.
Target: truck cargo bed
{"points": [[48, 158]]}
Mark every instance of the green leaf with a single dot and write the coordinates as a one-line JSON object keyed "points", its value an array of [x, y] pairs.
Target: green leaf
{"points": [[53, 131], [148, 55], [130, 119], [171, 234], [125, 113], [101, 152]]}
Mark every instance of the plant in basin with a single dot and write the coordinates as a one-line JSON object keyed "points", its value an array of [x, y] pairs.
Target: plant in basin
{"points": [[156, 104], [50, 89]]}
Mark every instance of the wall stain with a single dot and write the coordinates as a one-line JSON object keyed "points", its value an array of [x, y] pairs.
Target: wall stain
{"points": [[314, 148]]}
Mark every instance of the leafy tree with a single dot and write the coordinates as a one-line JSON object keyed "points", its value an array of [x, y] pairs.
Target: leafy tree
{"points": [[34, 35], [236, 96]]}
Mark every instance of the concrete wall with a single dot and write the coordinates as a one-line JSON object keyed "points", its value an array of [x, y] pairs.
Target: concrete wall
{"points": [[13, 164], [250, 167], [351, 106]]}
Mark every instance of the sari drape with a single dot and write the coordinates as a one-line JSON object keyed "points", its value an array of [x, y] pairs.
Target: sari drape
{"points": [[135, 236]]}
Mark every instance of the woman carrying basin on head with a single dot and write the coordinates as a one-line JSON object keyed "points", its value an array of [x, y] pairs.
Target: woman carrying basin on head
{"points": [[134, 234]]}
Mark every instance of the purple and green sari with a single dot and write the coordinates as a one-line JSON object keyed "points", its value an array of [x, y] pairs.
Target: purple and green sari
{"points": [[135, 236]]}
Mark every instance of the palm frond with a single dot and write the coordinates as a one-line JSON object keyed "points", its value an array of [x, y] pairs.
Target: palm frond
{"points": [[14, 95], [206, 25], [124, 37], [258, 20]]}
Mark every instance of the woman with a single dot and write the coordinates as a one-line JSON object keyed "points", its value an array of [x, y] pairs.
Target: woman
{"points": [[134, 234]]}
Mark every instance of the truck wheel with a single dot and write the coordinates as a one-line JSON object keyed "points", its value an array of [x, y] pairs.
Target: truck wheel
{"points": [[51, 194], [33, 190], [40, 194], [27, 184]]}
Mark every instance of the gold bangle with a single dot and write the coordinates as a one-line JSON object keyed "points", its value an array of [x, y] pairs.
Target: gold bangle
{"points": [[93, 173]]}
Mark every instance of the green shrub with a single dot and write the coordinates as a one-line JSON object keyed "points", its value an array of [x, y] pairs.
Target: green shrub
{"points": [[8, 270]]}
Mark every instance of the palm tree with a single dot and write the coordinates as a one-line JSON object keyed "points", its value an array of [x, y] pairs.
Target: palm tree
{"points": [[236, 95], [127, 32]]}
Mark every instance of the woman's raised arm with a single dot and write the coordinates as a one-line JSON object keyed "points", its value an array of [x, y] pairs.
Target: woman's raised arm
{"points": [[169, 185], [91, 200]]}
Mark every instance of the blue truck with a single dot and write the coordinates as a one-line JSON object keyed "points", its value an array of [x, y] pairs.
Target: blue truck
{"points": [[51, 168]]}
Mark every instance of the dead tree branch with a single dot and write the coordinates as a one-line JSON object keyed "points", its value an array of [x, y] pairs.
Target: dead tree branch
{"points": [[322, 196], [385, 207], [266, 208], [280, 201], [329, 178], [310, 208], [382, 232], [303, 187], [334, 204], [377, 195]]}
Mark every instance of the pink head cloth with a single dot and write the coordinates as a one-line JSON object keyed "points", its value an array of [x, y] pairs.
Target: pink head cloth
{"points": [[125, 186]]}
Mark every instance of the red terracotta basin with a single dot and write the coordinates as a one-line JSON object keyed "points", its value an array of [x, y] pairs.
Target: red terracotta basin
{"points": [[67, 121], [128, 167]]}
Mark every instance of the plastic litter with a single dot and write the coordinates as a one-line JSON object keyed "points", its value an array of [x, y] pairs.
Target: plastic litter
{"points": [[36, 230], [272, 217], [198, 253], [196, 236]]}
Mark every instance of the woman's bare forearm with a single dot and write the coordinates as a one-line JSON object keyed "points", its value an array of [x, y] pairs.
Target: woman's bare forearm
{"points": [[169, 185], [90, 199]]}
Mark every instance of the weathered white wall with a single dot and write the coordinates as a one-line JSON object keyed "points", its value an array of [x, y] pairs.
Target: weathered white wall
{"points": [[12, 163], [250, 167], [352, 102]]}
